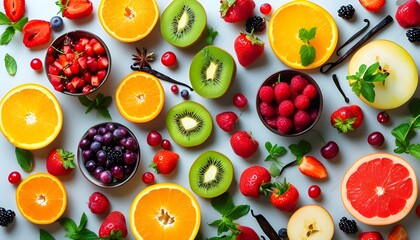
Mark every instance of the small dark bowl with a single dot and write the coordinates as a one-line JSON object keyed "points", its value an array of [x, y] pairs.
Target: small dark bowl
{"points": [[315, 106], [83, 156], [57, 44]]}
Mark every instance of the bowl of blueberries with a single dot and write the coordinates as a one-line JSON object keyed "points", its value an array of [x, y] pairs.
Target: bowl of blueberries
{"points": [[108, 154]]}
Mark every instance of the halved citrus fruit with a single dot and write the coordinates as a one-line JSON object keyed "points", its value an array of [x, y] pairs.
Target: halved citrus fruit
{"points": [[41, 198], [30, 116], [379, 189], [284, 27], [139, 97], [165, 211], [127, 20]]}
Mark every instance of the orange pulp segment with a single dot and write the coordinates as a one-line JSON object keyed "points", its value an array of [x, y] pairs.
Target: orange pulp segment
{"points": [[283, 32], [128, 20], [30, 116], [41, 198], [165, 211]]}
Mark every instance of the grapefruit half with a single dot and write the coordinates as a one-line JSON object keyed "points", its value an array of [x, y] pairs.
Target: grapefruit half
{"points": [[379, 189]]}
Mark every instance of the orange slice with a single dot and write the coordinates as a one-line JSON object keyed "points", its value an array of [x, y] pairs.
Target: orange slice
{"points": [[41, 198], [283, 32], [128, 20], [165, 211], [139, 97], [379, 189], [30, 116]]}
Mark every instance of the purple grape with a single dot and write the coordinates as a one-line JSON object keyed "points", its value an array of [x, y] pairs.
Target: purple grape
{"points": [[118, 148], [84, 143], [117, 172], [118, 134], [128, 169], [109, 164], [107, 138], [105, 177], [97, 172], [122, 142], [90, 166], [87, 154], [92, 132], [110, 127], [101, 157], [102, 130], [98, 138], [124, 131], [130, 157], [95, 146], [131, 144], [376, 139]]}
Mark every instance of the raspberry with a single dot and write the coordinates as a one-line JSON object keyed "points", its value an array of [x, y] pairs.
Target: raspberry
{"points": [[98, 203], [301, 120], [266, 94], [255, 23], [282, 91], [284, 124], [302, 102], [286, 108], [346, 12], [266, 109], [298, 83], [310, 91], [271, 121]]}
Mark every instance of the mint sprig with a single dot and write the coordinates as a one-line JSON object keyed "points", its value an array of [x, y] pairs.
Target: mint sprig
{"points": [[11, 28], [100, 103], [211, 35], [274, 153], [25, 159], [362, 82], [307, 52], [11, 65], [73, 231], [404, 132]]}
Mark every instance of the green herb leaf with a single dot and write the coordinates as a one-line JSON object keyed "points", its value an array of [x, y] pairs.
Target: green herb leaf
{"points": [[90, 107], [414, 150], [414, 107], [83, 222], [24, 159], [307, 54], [300, 149], [211, 35], [19, 24], [11, 65], [238, 212], [85, 101], [100, 103], [44, 235], [77, 232], [7, 36], [4, 20], [68, 224], [103, 111], [367, 90], [222, 203], [274, 170], [87, 234]]}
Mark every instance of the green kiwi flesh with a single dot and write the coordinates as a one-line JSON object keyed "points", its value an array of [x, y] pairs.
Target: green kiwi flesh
{"points": [[189, 123], [182, 22], [212, 71], [211, 174]]}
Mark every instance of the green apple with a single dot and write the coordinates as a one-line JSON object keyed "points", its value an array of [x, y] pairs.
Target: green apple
{"points": [[402, 80]]}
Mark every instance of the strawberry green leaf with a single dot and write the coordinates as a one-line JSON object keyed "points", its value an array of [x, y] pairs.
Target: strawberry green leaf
{"points": [[24, 158], [44, 235], [4, 20], [11, 65], [215, 223], [7, 36]]}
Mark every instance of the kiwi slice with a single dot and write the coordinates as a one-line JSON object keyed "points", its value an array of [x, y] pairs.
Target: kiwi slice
{"points": [[211, 174], [182, 22], [211, 72], [189, 123]]}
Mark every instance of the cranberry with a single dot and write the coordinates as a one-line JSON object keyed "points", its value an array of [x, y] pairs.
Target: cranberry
{"points": [[154, 138], [148, 178], [174, 89], [165, 144], [36, 64], [14, 177], [168, 59], [314, 191], [382, 117], [376, 139], [330, 150], [239, 100], [265, 8]]}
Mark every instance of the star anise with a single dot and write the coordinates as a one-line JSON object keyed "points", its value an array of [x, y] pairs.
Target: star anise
{"points": [[143, 58]]}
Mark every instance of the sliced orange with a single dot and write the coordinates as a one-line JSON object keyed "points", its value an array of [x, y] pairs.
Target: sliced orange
{"points": [[41, 198], [30, 116], [165, 211], [283, 32], [139, 97], [128, 20]]}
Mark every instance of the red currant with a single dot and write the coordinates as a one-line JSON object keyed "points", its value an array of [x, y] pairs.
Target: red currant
{"points": [[382, 117], [166, 144], [314, 191], [239, 100], [168, 59], [36, 64], [153, 138], [376, 139], [15, 177], [148, 178], [265, 8], [174, 89]]}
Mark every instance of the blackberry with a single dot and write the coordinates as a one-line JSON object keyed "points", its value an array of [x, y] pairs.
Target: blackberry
{"points": [[346, 12], [255, 23], [6, 217], [413, 34], [114, 156], [347, 225]]}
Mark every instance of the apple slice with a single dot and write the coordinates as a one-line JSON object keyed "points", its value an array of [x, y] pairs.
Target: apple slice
{"points": [[311, 222]]}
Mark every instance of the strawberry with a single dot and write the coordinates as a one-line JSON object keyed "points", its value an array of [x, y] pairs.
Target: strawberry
{"points": [[60, 162], [398, 232], [248, 48], [312, 167], [36, 32], [226, 120], [75, 9], [370, 236], [14, 9], [243, 144], [285, 196], [236, 10], [113, 226], [98, 203], [372, 5], [164, 161], [347, 118], [247, 233], [253, 181], [408, 14]]}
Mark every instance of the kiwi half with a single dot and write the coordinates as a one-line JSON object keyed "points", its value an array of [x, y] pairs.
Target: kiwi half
{"points": [[189, 123], [212, 71], [211, 174], [182, 22]]}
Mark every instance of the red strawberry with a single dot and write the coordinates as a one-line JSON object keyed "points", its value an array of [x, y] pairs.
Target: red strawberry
{"points": [[347, 118], [236, 10], [243, 144], [14, 9], [285, 196], [75, 9], [370, 236], [312, 167], [226, 120], [398, 232], [98, 203], [36, 32], [165, 161], [408, 14], [248, 48], [247, 233], [372, 5], [113, 227], [60, 162], [252, 180]]}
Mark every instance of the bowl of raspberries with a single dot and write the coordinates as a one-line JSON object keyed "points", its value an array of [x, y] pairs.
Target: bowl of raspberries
{"points": [[289, 103], [108, 154]]}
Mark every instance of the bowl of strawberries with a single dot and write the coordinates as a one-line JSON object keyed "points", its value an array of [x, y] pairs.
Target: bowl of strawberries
{"points": [[289, 103], [77, 63]]}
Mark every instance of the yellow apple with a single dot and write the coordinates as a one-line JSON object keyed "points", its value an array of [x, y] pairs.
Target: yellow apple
{"points": [[402, 80]]}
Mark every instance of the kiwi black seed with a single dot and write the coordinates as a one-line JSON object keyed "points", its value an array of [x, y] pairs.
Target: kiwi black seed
{"points": [[182, 22], [211, 72], [189, 123], [211, 174]]}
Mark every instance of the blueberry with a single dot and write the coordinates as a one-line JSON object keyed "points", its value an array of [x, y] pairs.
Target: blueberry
{"points": [[57, 23], [185, 93], [283, 233]]}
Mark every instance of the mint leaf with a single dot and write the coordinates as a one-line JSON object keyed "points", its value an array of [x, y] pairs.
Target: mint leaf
{"points": [[238, 212], [223, 203], [100, 103], [68, 224], [414, 107], [87, 234], [7, 36], [368, 91], [211, 35], [24, 159], [274, 170], [300, 149], [19, 24], [4, 20], [11, 65], [311, 34], [371, 70], [414, 150], [104, 112], [44, 235], [85, 101], [307, 54], [83, 222]]}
